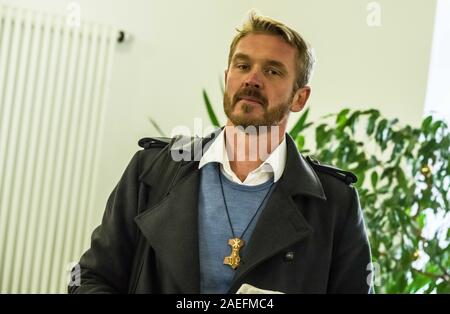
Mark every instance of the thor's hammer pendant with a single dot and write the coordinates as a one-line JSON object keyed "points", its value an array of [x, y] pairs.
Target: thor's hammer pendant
{"points": [[234, 259]]}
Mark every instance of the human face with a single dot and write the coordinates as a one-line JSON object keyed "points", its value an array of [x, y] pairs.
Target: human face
{"points": [[260, 82]]}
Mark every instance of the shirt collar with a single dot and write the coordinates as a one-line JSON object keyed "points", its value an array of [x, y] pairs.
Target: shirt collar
{"points": [[273, 166]]}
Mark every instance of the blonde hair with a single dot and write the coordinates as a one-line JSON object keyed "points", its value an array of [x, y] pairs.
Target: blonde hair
{"points": [[264, 25]]}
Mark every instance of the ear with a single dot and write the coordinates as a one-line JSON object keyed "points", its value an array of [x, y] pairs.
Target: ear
{"points": [[300, 98]]}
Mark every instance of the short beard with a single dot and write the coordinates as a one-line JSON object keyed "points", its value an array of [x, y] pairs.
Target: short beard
{"points": [[270, 117]]}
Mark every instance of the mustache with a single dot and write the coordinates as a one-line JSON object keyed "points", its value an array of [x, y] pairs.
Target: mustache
{"points": [[251, 92]]}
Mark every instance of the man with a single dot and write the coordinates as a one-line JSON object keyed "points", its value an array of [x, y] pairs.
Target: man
{"points": [[250, 210]]}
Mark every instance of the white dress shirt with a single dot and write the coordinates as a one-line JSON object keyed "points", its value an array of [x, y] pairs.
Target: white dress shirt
{"points": [[272, 167]]}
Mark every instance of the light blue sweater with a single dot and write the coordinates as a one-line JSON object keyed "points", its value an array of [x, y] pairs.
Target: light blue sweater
{"points": [[214, 227]]}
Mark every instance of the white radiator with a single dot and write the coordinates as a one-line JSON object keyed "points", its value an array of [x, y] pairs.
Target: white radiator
{"points": [[53, 86]]}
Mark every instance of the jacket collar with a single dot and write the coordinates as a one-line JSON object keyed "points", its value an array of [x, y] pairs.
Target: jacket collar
{"points": [[171, 226], [299, 177]]}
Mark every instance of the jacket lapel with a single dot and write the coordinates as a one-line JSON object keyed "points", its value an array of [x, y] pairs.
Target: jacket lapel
{"points": [[171, 226], [171, 229], [281, 223]]}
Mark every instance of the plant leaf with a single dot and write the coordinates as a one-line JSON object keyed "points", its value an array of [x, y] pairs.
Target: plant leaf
{"points": [[426, 123], [300, 140], [371, 124], [156, 126], [209, 108], [222, 88], [341, 118], [374, 179], [300, 125]]}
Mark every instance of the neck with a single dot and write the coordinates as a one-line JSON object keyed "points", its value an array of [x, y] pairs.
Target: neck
{"points": [[248, 150]]}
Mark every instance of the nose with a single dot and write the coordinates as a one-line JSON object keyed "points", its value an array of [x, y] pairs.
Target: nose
{"points": [[254, 79]]}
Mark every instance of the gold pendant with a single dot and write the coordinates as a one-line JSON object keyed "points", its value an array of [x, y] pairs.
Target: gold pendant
{"points": [[234, 259]]}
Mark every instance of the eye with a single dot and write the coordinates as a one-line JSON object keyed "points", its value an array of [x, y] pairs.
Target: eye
{"points": [[242, 66], [273, 72]]}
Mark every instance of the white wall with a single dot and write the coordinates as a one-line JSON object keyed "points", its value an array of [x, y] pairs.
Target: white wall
{"points": [[181, 47], [438, 94]]}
